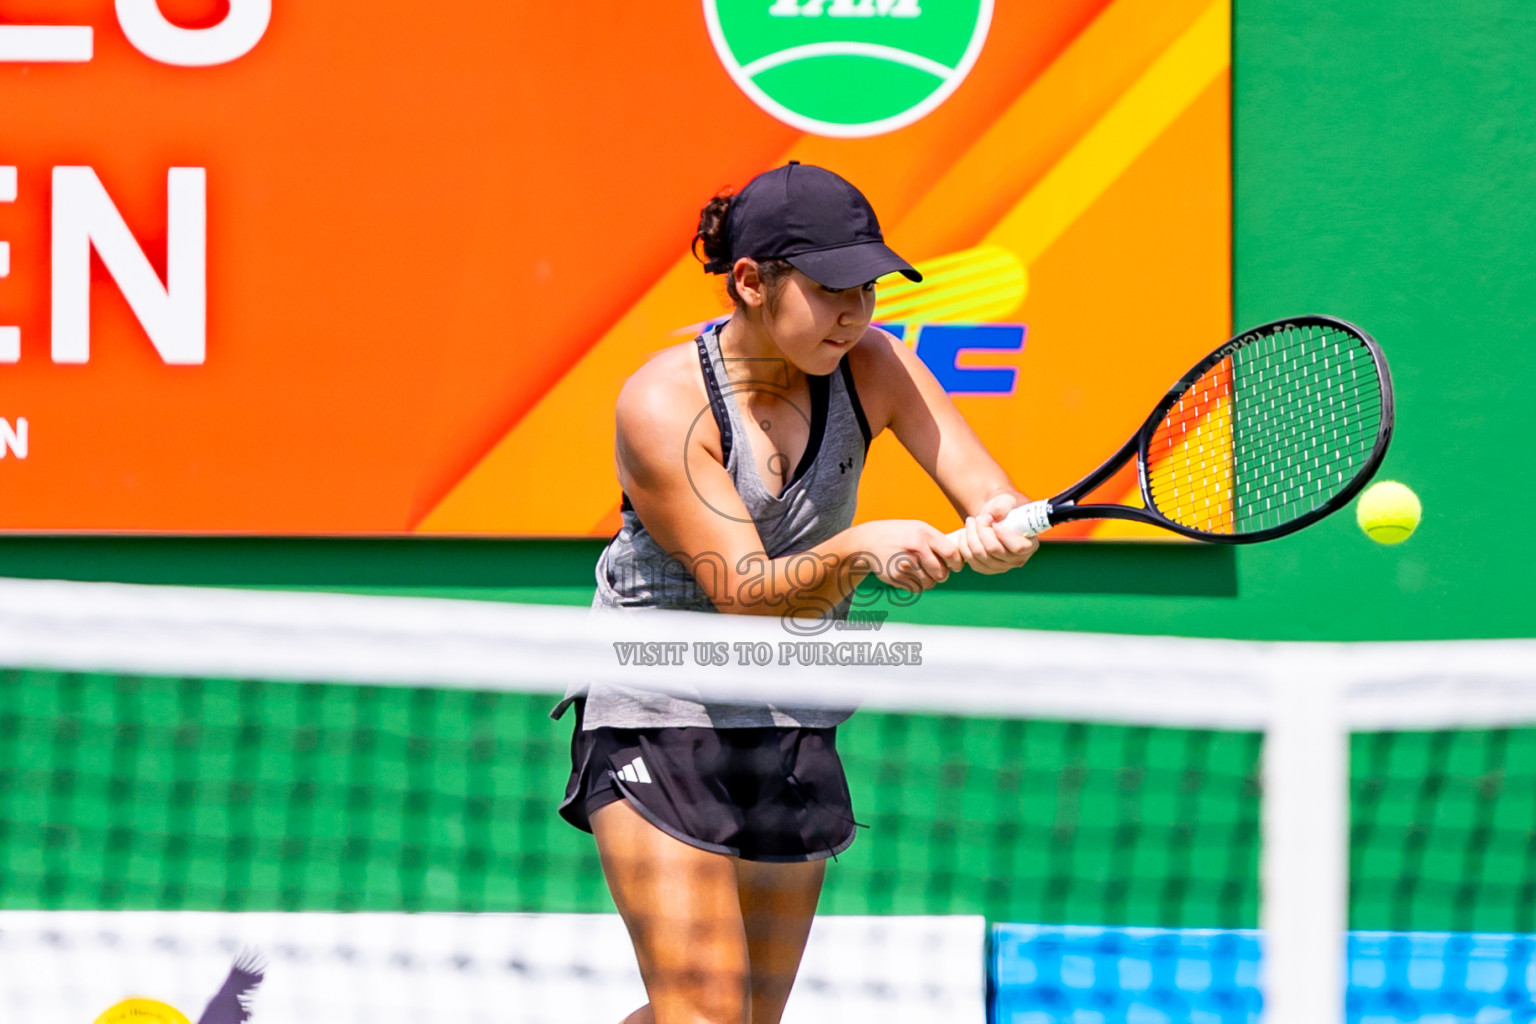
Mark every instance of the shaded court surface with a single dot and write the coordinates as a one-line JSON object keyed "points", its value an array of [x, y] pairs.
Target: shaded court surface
{"points": [[1088, 975]]}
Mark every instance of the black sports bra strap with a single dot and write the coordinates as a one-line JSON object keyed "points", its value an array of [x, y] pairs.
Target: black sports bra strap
{"points": [[853, 399], [821, 391], [716, 400]]}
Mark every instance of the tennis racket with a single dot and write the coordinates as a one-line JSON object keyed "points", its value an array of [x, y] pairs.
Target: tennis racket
{"points": [[1269, 433]]}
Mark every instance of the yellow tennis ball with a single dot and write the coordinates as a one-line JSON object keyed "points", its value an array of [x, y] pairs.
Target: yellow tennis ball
{"points": [[1388, 512]]}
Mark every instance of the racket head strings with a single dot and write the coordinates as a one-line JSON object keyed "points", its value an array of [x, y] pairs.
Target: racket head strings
{"points": [[1272, 431]]}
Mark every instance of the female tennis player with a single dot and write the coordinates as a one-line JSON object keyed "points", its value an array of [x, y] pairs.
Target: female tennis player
{"points": [[737, 452]]}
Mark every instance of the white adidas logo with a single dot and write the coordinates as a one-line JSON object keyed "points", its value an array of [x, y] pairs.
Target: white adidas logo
{"points": [[635, 772]]}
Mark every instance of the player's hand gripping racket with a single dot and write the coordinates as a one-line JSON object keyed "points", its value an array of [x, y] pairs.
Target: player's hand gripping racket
{"points": [[1269, 433]]}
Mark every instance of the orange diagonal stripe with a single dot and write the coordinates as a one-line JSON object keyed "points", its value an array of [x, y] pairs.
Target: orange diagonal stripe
{"points": [[1138, 47]]}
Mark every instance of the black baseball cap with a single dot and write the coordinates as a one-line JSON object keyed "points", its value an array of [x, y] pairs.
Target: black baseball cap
{"points": [[813, 219]]}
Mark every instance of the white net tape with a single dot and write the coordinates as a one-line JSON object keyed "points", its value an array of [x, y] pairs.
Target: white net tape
{"points": [[1091, 677]]}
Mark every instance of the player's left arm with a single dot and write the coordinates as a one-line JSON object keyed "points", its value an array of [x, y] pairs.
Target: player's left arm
{"points": [[898, 391]]}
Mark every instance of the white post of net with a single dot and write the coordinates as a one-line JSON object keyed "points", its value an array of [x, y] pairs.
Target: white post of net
{"points": [[1305, 853]]}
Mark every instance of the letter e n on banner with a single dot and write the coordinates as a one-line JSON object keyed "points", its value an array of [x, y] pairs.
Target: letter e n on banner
{"points": [[175, 316]]}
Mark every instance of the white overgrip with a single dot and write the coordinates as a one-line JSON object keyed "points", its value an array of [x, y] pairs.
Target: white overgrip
{"points": [[1031, 519]]}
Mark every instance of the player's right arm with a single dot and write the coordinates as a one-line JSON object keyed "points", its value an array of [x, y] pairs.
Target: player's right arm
{"points": [[669, 460]]}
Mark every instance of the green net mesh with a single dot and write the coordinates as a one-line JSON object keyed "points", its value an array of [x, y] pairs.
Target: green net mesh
{"points": [[125, 792]]}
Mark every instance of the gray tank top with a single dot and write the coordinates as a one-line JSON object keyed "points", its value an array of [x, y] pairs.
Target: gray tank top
{"points": [[817, 503]]}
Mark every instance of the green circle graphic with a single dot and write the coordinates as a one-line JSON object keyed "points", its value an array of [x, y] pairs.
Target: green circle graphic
{"points": [[848, 68]]}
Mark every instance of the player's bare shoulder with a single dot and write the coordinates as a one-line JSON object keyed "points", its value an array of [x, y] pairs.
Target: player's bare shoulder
{"points": [[668, 388], [659, 403], [876, 352], [880, 372]]}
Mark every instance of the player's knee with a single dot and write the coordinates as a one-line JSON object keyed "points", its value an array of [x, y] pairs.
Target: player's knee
{"points": [[726, 1003], [715, 1010], [703, 997]]}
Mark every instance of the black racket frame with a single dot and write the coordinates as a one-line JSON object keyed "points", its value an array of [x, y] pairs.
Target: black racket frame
{"points": [[1064, 507]]}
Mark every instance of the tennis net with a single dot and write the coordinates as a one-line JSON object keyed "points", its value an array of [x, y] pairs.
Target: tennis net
{"points": [[1059, 826]]}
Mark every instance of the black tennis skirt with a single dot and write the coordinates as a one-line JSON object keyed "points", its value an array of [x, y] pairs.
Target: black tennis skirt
{"points": [[769, 794]]}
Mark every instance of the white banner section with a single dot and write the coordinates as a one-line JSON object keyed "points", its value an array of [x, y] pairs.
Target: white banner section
{"points": [[66, 967]]}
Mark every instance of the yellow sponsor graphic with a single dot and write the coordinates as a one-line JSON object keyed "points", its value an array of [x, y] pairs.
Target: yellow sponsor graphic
{"points": [[984, 283], [142, 1011]]}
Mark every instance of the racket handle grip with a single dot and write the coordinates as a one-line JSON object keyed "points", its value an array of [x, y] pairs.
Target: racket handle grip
{"points": [[1033, 519]]}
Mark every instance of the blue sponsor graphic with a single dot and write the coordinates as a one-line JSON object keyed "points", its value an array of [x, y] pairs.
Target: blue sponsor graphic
{"points": [[939, 347], [1089, 975]]}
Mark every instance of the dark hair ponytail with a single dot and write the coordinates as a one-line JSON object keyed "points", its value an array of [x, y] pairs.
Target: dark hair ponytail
{"points": [[717, 257], [711, 234]]}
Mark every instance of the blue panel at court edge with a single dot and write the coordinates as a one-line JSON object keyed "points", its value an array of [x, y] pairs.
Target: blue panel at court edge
{"points": [[939, 346], [1086, 975]]}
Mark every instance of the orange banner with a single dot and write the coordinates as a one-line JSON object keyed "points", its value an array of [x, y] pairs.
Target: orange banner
{"points": [[281, 268]]}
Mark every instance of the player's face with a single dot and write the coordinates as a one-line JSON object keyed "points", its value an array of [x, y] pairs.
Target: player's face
{"points": [[814, 326]]}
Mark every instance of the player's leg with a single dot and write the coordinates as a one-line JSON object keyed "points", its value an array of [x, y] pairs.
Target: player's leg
{"points": [[684, 915], [777, 904]]}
